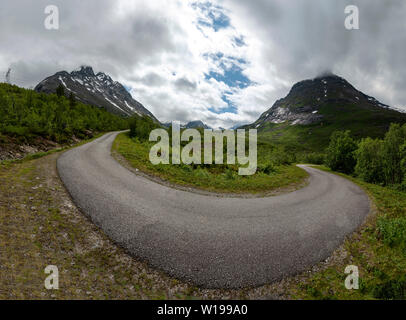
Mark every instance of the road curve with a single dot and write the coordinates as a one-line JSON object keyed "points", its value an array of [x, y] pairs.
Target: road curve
{"points": [[213, 242]]}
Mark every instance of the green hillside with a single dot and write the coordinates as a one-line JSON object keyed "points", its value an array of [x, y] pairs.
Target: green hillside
{"points": [[362, 122], [26, 114], [304, 120]]}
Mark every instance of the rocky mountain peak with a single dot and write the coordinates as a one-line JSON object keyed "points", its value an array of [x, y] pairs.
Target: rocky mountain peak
{"points": [[307, 98], [95, 89], [84, 71], [103, 77]]}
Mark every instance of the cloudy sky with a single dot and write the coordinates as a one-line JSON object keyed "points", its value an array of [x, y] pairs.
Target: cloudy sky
{"points": [[220, 61]]}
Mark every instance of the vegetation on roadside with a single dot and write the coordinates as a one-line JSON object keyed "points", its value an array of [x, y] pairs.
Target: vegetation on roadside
{"points": [[41, 154], [26, 114], [380, 161], [141, 127], [275, 169], [272, 174], [378, 250], [340, 152]]}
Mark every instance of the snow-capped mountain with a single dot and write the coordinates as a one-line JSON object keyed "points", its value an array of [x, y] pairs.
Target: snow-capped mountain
{"points": [[313, 101], [95, 89], [197, 124]]}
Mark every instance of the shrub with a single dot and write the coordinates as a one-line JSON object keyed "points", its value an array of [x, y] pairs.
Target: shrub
{"points": [[340, 152], [202, 173], [268, 168], [370, 161], [60, 91], [16, 130], [141, 127], [313, 158], [394, 289], [392, 155], [281, 157], [392, 231], [229, 174], [403, 161], [400, 187]]}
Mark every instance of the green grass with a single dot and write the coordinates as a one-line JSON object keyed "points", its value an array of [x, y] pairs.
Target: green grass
{"points": [[378, 250], [272, 173]]}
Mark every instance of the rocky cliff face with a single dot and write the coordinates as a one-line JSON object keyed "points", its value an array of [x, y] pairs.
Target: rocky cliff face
{"points": [[303, 103], [95, 89]]}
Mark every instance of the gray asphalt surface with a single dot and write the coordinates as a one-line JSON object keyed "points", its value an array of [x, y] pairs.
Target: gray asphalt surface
{"points": [[211, 241]]}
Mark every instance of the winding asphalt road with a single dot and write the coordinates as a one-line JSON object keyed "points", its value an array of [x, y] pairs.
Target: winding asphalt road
{"points": [[213, 242]]}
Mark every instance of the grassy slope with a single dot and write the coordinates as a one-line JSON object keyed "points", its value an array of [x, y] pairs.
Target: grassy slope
{"points": [[212, 179], [363, 122], [26, 114]]}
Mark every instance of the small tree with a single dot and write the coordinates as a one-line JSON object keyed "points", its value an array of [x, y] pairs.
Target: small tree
{"points": [[141, 127], [60, 91], [403, 162], [340, 152], [72, 100], [369, 160], [392, 154]]}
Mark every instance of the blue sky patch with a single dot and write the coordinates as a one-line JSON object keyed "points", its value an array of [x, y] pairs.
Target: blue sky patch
{"points": [[231, 74], [230, 106], [229, 70], [232, 77], [239, 41], [214, 13], [232, 71]]}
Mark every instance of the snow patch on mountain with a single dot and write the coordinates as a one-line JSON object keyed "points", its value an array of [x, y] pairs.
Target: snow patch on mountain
{"points": [[95, 89]]}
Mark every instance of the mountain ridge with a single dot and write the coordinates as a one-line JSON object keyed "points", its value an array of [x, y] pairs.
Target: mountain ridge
{"points": [[304, 100], [315, 108], [95, 89]]}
